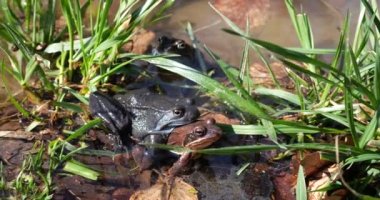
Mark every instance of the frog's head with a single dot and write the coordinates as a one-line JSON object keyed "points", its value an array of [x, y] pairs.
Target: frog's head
{"points": [[197, 135], [172, 45], [180, 114]]}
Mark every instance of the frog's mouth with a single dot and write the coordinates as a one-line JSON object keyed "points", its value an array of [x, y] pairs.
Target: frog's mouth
{"points": [[168, 127], [160, 132], [162, 126]]}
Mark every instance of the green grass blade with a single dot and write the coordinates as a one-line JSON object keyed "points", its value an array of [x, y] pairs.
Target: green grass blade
{"points": [[80, 169], [233, 79], [13, 100], [282, 94], [288, 129], [18, 40], [372, 13], [266, 64], [68, 106], [362, 158], [210, 85], [307, 72], [16, 71], [371, 129], [30, 68], [289, 54], [47, 22], [238, 149], [360, 38], [77, 95], [376, 84], [355, 65], [347, 92], [9, 16], [82, 130], [350, 114], [343, 120], [343, 149], [301, 191], [270, 130], [317, 51], [335, 62]]}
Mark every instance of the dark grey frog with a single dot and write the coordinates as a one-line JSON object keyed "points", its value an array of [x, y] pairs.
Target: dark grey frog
{"points": [[143, 116]]}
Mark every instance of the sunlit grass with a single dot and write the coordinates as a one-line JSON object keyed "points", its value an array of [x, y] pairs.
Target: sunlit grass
{"points": [[350, 79], [64, 60], [33, 181]]}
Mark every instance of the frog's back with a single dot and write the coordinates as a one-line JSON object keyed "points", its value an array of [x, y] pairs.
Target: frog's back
{"points": [[145, 100]]}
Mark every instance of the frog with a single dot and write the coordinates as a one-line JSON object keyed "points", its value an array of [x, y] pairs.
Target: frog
{"points": [[185, 54], [172, 45], [147, 113], [142, 116], [195, 136], [154, 114]]}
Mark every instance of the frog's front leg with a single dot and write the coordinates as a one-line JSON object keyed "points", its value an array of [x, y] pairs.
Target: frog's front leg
{"points": [[179, 165], [176, 168], [145, 156], [113, 114]]}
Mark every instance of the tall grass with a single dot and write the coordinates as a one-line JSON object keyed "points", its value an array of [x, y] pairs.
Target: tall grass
{"points": [[57, 54], [64, 61], [344, 91]]}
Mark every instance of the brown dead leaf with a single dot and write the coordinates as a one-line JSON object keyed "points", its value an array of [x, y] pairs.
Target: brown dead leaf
{"points": [[140, 42], [284, 186], [256, 11], [12, 125], [312, 163], [219, 118], [323, 179], [180, 190], [121, 193], [24, 135], [261, 76], [338, 195]]}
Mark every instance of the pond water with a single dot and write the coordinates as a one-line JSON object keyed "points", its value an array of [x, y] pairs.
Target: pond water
{"points": [[270, 21]]}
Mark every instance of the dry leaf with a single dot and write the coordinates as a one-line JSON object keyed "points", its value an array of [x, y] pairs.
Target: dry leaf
{"points": [[220, 118], [256, 11], [180, 190]]}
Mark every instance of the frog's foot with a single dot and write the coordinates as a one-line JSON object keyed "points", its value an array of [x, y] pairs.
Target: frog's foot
{"points": [[179, 164], [122, 158], [143, 156], [169, 181], [113, 114]]}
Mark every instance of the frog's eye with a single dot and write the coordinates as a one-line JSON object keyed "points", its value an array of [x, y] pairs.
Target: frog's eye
{"points": [[180, 44], [200, 131], [178, 112]]}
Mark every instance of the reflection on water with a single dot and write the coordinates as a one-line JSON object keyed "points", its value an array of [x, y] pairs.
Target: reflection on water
{"points": [[326, 18]]}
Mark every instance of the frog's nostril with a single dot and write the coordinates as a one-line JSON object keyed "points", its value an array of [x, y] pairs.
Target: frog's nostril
{"points": [[190, 101]]}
